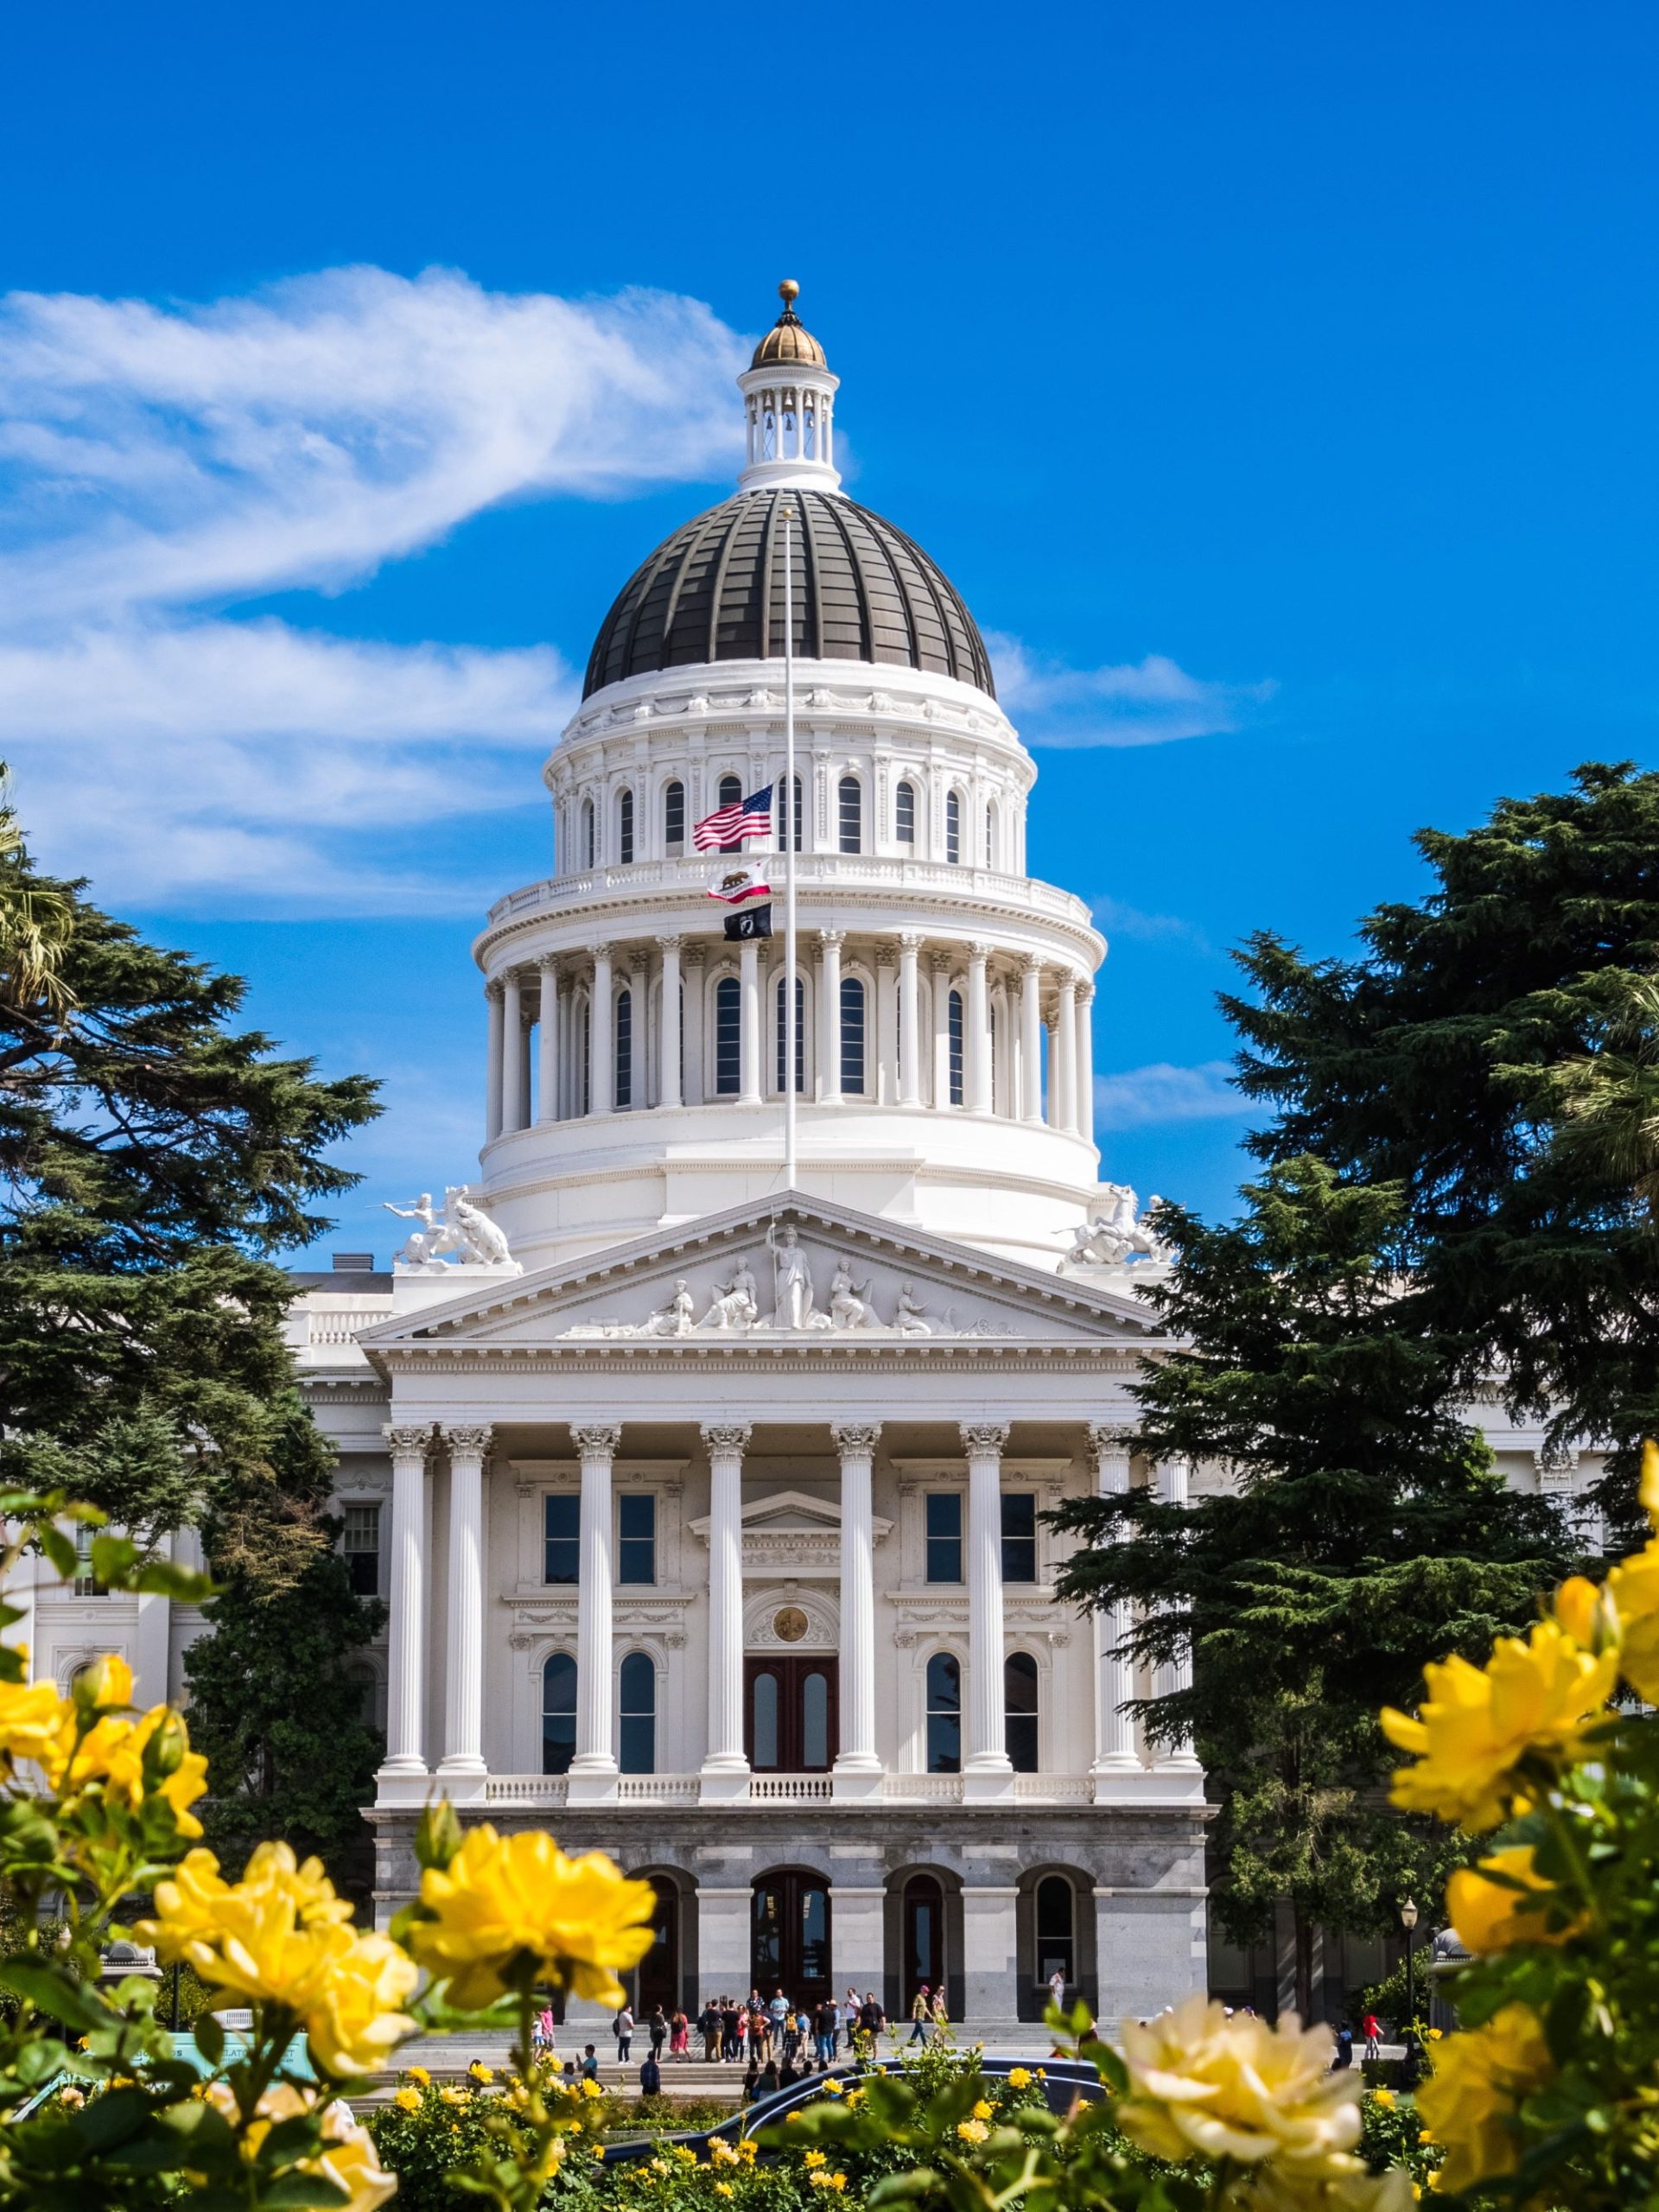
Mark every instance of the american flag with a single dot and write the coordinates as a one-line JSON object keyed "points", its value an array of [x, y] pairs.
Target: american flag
{"points": [[729, 825]]}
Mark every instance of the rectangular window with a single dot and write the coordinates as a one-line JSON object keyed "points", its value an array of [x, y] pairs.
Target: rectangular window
{"points": [[562, 1537], [800, 1034], [849, 804], [852, 1036], [953, 1015], [944, 1535], [904, 815], [1019, 1535], [625, 1049], [674, 817], [728, 1037], [87, 1583], [361, 1545], [636, 1537]]}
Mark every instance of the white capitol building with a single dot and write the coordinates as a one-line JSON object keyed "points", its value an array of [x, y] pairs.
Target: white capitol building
{"points": [[709, 1511]]}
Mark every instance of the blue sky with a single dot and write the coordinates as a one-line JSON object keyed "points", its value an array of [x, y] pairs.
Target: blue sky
{"points": [[1276, 384]]}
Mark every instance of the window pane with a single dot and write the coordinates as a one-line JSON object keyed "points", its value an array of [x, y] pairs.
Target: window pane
{"points": [[730, 791], [783, 823], [814, 1934], [674, 814], [562, 1532], [728, 1029], [636, 1531], [361, 1545], [944, 1535], [904, 815], [637, 1745], [990, 835], [852, 1034], [1020, 1702], [766, 1953], [587, 833], [625, 826], [766, 1722], [800, 1034], [558, 1714], [815, 1724], [1019, 1535], [954, 1017], [625, 1048], [943, 1715], [850, 805], [1054, 1937], [952, 828]]}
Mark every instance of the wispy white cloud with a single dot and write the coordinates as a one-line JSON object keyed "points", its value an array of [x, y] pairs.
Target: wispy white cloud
{"points": [[1118, 919], [1162, 1091], [1150, 702], [157, 463]]}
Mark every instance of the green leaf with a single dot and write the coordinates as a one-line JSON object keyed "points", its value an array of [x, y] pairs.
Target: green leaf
{"points": [[295, 2192], [59, 1550], [209, 2038], [56, 1993], [115, 2117], [438, 1835]]}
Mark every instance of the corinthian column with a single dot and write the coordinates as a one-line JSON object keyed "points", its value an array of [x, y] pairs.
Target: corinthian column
{"points": [[725, 1764], [493, 1064], [748, 1051], [602, 1036], [858, 1768], [668, 1085], [1115, 1752], [978, 1015], [1173, 1476], [910, 1039], [830, 942], [1086, 1030], [987, 1748], [1031, 1040], [406, 1626], [1062, 1075], [512, 1051], [547, 1043], [463, 1721], [594, 1761]]}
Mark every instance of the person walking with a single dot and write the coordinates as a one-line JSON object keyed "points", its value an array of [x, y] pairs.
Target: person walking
{"points": [[829, 2029], [871, 2021], [710, 2028], [941, 2018], [731, 2030], [657, 2029], [850, 2021], [622, 2029], [1057, 1989], [1373, 2032], [921, 2014], [679, 2036], [779, 2013], [1345, 2057]]}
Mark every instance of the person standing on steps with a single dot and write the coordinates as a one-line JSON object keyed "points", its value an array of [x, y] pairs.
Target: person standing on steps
{"points": [[622, 2029]]}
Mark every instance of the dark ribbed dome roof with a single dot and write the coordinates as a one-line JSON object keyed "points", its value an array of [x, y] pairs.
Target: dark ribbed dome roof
{"points": [[714, 591]]}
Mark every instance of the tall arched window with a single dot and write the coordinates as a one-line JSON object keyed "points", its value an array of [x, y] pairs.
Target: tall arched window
{"points": [[728, 1037], [558, 1714], [851, 1035], [943, 1715], [674, 817], [953, 1015], [585, 1057], [800, 1034], [623, 1049], [850, 807], [731, 790], [1056, 1931], [625, 825], [990, 837], [1020, 1703], [903, 814], [587, 833], [637, 1709], [783, 824], [952, 828]]}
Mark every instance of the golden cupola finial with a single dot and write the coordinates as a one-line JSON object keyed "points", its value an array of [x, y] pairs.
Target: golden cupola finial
{"points": [[789, 341]]}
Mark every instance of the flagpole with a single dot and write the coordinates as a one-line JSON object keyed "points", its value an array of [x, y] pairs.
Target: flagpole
{"points": [[788, 816]]}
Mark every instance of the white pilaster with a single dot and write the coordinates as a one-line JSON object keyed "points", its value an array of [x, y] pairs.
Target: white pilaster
{"points": [[885, 1087], [1114, 1748], [463, 1728], [726, 1765], [910, 1039], [696, 954], [547, 1043], [858, 1768], [602, 1036], [669, 1081], [749, 1011], [406, 1627], [493, 1064], [941, 1029], [977, 1086], [986, 1768], [593, 1767], [1085, 1032], [1063, 1077], [1175, 1488], [829, 942], [1031, 1040], [512, 1051]]}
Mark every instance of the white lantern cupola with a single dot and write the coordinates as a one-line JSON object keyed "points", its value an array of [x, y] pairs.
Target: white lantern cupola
{"points": [[789, 398]]}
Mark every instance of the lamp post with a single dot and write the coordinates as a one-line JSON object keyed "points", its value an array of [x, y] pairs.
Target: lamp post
{"points": [[1409, 1922]]}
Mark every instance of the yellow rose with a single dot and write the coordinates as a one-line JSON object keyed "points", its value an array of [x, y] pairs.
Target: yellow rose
{"points": [[1478, 1723], [723, 2189], [31, 1718], [1489, 1915], [481, 2072], [817, 2159], [983, 2111], [972, 2131], [419, 2074], [1472, 2098], [503, 1901], [408, 2099], [1234, 2087], [591, 2088], [1018, 2077], [348, 2157], [1384, 2098]]}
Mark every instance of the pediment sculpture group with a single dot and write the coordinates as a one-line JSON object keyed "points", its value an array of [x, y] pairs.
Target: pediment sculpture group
{"points": [[735, 1305]]}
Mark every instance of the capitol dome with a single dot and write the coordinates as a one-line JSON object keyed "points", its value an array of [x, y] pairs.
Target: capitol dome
{"points": [[714, 591]]}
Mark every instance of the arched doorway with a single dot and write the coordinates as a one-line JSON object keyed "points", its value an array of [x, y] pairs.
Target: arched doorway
{"points": [[922, 1961], [657, 1977], [789, 1945]]}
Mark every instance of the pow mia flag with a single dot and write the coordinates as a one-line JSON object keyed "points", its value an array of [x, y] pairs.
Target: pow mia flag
{"points": [[748, 921]]}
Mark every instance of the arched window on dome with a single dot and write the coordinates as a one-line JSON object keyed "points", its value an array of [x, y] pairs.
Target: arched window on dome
{"points": [[852, 1036], [624, 1050], [849, 805], [990, 835], [674, 818], [586, 835], [1019, 1707], [728, 1037], [782, 825], [953, 1011], [558, 1712], [637, 1711], [809, 427], [904, 815], [768, 435], [800, 1034], [625, 825], [943, 1714], [791, 446], [731, 790], [952, 828]]}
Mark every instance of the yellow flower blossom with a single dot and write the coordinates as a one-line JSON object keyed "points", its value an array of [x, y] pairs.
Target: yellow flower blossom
{"points": [[348, 2157], [837, 2182], [720, 2152], [408, 2099], [506, 1901], [418, 2074], [832, 2089], [723, 2189], [1633, 1593], [1477, 1723], [972, 2131], [1489, 1915], [983, 2111], [814, 2158], [1231, 2087], [31, 1718], [452, 2096], [747, 2150], [1018, 2077], [591, 2088], [279, 1937], [1384, 2098], [481, 2072], [1472, 2098]]}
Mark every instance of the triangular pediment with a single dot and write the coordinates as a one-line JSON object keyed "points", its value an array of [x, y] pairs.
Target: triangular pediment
{"points": [[797, 1271]]}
